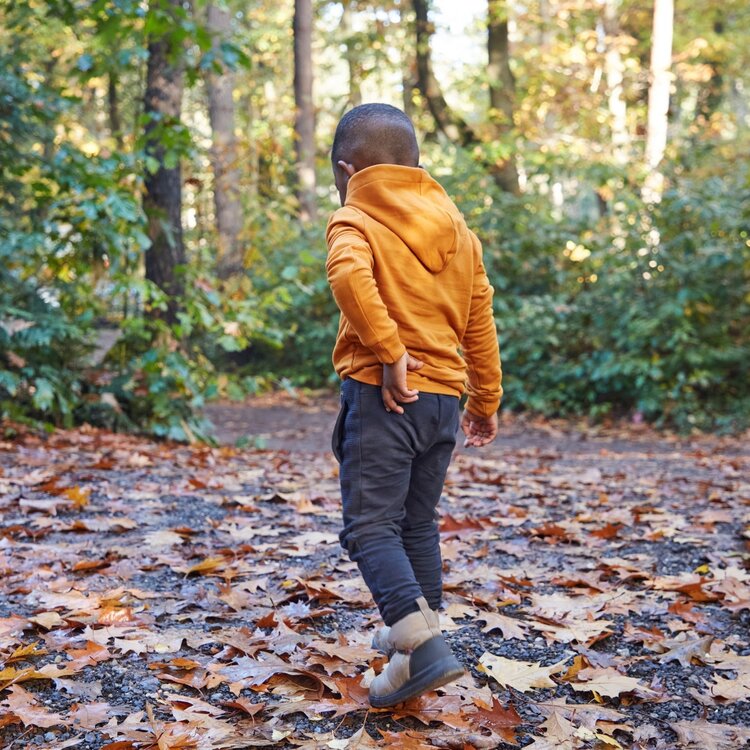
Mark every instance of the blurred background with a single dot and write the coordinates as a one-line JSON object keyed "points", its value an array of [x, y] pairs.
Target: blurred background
{"points": [[165, 184]]}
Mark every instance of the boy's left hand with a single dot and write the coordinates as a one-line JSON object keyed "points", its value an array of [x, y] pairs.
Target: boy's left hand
{"points": [[394, 387], [478, 430]]}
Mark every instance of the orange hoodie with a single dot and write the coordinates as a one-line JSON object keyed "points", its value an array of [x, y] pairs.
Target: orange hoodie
{"points": [[407, 275]]}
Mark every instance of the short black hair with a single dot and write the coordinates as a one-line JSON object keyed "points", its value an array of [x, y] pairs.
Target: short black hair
{"points": [[375, 134]]}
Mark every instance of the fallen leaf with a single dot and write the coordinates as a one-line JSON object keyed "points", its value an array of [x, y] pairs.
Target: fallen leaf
{"points": [[29, 710], [732, 690], [501, 720], [686, 649], [608, 682], [78, 496], [704, 735], [520, 675], [509, 626]]}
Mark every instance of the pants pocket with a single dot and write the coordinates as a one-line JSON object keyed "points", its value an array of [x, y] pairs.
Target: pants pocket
{"points": [[338, 431]]}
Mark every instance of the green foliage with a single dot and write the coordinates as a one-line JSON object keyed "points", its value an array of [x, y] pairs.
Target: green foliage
{"points": [[63, 219], [72, 236], [289, 275], [645, 311], [642, 312]]}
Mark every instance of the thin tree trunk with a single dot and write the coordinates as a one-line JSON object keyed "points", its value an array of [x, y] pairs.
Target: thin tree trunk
{"points": [[452, 125], [250, 147], [710, 96], [304, 124], [658, 94], [163, 198], [220, 87], [408, 65], [545, 22], [352, 61], [113, 106], [614, 68], [447, 121], [502, 90], [48, 145], [739, 105]]}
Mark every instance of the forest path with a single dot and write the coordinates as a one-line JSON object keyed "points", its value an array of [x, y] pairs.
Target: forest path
{"points": [[302, 422], [596, 590]]}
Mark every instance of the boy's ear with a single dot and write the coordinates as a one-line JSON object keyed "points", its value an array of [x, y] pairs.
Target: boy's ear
{"points": [[348, 168]]}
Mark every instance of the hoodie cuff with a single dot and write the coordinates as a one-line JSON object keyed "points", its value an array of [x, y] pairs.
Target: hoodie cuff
{"points": [[390, 350], [482, 408]]}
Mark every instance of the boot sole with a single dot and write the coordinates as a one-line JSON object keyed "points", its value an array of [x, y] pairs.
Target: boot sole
{"points": [[430, 673]]}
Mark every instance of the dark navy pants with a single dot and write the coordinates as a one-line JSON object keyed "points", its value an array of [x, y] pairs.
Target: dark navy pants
{"points": [[392, 472]]}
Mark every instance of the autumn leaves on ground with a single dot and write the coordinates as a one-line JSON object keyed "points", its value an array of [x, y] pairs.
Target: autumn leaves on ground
{"points": [[161, 596]]}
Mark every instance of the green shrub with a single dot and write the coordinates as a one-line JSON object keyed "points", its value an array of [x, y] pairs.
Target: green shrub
{"points": [[645, 311], [640, 312], [72, 235]]}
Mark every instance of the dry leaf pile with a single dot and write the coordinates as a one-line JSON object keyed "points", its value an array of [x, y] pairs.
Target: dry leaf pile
{"points": [[160, 596]]}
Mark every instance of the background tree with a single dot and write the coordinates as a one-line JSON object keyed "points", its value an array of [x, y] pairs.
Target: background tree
{"points": [[446, 120], [496, 156], [658, 93], [304, 123], [502, 93], [615, 75], [220, 86], [350, 39], [163, 182]]}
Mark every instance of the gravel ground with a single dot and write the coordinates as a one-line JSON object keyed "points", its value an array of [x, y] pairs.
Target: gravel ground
{"points": [[144, 570]]}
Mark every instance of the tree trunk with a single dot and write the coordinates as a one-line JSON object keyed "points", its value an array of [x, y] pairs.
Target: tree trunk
{"points": [[614, 68], [452, 125], [502, 90], [304, 124], [250, 148], [710, 96], [408, 64], [545, 23], [352, 61], [113, 106], [48, 145], [163, 199], [739, 105], [658, 94], [447, 121], [220, 87]]}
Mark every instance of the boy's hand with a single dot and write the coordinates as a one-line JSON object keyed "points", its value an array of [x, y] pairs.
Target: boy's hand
{"points": [[394, 387], [478, 430]]}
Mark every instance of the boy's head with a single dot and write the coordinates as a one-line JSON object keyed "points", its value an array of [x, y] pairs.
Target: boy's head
{"points": [[372, 134]]}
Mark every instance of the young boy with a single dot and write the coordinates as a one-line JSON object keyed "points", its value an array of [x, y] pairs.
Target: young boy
{"points": [[408, 278]]}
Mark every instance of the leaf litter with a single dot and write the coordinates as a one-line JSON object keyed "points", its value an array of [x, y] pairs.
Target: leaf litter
{"points": [[152, 595]]}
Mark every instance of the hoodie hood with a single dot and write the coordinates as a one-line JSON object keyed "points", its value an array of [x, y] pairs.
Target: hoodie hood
{"points": [[413, 206]]}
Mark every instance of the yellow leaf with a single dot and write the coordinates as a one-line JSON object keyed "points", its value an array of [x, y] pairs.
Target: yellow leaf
{"points": [[607, 682], [79, 497], [23, 651], [208, 565], [607, 740], [11, 673], [521, 675]]}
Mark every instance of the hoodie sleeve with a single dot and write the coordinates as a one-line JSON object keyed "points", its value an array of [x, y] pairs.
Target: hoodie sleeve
{"points": [[350, 273], [479, 344]]}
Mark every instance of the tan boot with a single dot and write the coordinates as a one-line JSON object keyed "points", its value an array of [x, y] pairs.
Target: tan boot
{"points": [[422, 660], [382, 641]]}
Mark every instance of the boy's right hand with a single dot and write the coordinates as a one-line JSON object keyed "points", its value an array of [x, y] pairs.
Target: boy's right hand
{"points": [[478, 430], [394, 388]]}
